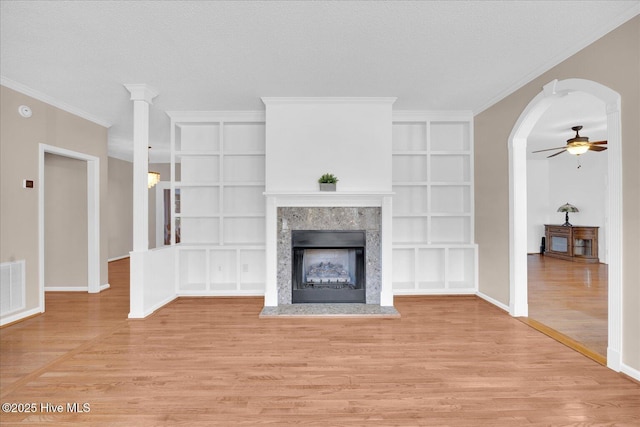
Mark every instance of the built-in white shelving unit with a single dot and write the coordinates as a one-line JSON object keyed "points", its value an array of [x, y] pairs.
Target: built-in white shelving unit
{"points": [[218, 203], [433, 249]]}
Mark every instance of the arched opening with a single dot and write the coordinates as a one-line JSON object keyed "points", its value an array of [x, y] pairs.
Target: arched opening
{"points": [[518, 202]]}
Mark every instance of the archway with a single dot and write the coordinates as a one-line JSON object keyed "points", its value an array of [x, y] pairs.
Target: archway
{"points": [[518, 202]]}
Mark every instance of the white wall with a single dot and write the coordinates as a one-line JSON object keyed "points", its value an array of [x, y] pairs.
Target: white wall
{"points": [[563, 182], [538, 204], [348, 137]]}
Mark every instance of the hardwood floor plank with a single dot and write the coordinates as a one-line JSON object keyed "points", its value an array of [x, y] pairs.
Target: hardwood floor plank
{"points": [[570, 298], [454, 361]]}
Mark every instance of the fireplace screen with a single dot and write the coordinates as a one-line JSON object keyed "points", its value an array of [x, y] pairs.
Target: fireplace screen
{"points": [[328, 266]]}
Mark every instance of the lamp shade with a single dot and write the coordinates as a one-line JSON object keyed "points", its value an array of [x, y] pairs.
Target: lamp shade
{"points": [[568, 208]]}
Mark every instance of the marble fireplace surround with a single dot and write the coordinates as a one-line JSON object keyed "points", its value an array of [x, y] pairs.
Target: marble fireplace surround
{"points": [[366, 219], [366, 211]]}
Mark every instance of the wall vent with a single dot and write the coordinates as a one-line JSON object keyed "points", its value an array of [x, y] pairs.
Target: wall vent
{"points": [[12, 287]]}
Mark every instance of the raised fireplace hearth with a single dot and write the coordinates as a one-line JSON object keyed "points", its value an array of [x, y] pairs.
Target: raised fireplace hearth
{"points": [[328, 266]]}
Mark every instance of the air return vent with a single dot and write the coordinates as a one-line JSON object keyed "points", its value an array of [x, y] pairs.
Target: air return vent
{"points": [[12, 287]]}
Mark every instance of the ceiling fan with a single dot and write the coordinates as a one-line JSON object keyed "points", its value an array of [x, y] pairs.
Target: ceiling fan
{"points": [[577, 145]]}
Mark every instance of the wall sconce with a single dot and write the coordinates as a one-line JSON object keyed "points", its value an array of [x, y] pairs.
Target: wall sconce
{"points": [[153, 178], [566, 208]]}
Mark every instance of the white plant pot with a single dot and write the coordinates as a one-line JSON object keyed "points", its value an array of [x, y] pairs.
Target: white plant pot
{"points": [[327, 187]]}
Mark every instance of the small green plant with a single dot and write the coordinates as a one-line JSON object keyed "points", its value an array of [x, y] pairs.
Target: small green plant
{"points": [[328, 178]]}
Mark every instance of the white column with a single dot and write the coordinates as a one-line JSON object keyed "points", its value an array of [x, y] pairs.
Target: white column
{"points": [[142, 96]]}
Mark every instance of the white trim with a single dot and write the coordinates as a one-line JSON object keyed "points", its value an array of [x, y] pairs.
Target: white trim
{"points": [[518, 203], [215, 116], [93, 216], [628, 370], [73, 288], [20, 316], [327, 100], [432, 116], [493, 301], [148, 312], [26, 90], [591, 38], [142, 92]]}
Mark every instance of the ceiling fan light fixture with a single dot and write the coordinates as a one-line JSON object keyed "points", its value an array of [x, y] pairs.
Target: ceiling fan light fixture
{"points": [[578, 149]]}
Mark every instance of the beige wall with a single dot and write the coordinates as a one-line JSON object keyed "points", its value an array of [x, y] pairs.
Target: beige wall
{"points": [[19, 145], [65, 222], [121, 205], [120, 209], [613, 61], [164, 169]]}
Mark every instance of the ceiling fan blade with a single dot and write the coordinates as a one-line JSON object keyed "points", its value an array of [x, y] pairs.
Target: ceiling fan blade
{"points": [[597, 148], [549, 149], [598, 142], [559, 152]]}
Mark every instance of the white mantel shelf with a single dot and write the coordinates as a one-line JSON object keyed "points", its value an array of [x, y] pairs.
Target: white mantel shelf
{"points": [[328, 198]]}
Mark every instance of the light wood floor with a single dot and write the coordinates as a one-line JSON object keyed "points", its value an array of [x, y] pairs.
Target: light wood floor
{"points": [[570, 298], [448, 361]]}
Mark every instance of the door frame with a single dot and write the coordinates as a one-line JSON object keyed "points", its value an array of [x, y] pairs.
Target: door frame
{"points": [[517, 144], [93, 216]]}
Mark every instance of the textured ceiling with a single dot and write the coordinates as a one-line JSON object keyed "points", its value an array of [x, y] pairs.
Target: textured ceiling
{"points": [[205, 55]]}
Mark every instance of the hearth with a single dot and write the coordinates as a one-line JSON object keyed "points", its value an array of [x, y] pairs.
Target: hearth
{"points": [[328, 266]]}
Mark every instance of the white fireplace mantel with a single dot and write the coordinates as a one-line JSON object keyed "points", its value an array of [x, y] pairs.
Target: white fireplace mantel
{"points": [[274, 200]]}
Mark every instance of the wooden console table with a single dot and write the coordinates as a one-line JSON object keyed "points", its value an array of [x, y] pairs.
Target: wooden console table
{"points": [[572, 243]]}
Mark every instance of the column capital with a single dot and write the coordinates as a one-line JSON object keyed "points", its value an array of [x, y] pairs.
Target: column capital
{"points": [[141, 92]]}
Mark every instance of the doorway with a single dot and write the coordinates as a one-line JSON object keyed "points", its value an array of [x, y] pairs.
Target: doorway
{"points": [[568, 294], [93, 216], [518, 305], [65, 223]]}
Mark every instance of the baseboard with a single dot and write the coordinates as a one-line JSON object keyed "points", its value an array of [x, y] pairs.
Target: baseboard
{"points": [[493, 301], [19, 316], [631, 372], [73, 288], [151, 310]]}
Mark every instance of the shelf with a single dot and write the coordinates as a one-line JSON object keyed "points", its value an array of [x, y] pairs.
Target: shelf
{"points": [[410, 153], [409, 136], [183, 184], [450, 135], [244, 153]]}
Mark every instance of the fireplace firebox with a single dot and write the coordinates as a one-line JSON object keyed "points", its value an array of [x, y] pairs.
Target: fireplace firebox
{"points": [[328, 266]]}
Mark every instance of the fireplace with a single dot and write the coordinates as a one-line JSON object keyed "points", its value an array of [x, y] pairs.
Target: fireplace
{"points": [[328, 266]]}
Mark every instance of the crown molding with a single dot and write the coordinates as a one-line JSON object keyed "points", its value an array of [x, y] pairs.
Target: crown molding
{"points": [[327, 100], [26, 90], [431, 115], [216, 116]]}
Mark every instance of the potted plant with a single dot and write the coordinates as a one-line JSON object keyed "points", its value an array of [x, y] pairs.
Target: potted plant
{"points": [[328, 182]]}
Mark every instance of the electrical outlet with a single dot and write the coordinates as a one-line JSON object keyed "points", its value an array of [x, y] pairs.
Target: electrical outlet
{"points": [[245, 268]]}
